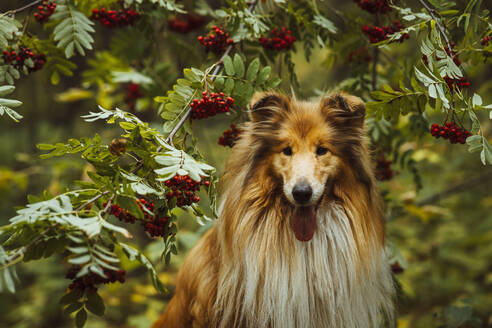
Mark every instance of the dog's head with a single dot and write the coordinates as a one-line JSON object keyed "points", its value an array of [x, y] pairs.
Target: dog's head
{"points": [[306, 145]]}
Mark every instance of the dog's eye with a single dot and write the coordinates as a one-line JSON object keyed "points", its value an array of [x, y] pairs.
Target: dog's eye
{"points": [[321, 151], [287, 151]]}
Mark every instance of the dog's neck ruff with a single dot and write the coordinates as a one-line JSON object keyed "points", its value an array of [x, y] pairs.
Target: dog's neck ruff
{"points": [[279, 282]]}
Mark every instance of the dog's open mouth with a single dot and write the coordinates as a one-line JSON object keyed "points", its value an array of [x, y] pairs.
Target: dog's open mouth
{"points": [[303, 222]]}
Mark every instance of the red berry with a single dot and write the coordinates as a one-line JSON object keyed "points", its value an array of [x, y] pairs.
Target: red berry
{"points": [[278, 40], [115, 18], [383, 169], [210, 105], [451, 131], [377, 34], [216, 43], [230, 136], [46, 9]]}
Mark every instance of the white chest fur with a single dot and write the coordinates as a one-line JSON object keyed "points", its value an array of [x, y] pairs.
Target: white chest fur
{"points": [[315, 284]]}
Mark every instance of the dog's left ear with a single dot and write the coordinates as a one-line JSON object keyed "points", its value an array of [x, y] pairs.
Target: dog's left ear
{"points": [[264, 106], [345, 110]]}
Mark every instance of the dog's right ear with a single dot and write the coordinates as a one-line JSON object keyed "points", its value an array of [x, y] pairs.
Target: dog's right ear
{"points": [[265, 105]]}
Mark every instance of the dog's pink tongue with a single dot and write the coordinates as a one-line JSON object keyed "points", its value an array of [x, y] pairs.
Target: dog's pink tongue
{"points": [[303, 222]]}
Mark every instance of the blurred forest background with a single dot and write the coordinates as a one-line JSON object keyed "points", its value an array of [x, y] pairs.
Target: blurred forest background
{"points": [[443, 230]]}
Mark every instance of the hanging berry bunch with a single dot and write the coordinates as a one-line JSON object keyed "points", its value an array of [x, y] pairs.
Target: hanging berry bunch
{"points": [[153, 224], [183, 188], [216, 41], [485, 40], [210, 105], [229, 137], [359, 55], [458, 83], [133, 93], [451, 131], [45, 10], [383, 170], [121, 214], [380, 33], [19, 59], [115, 18], [374, 6], [279, 39], [185, 24], [90, 280]]}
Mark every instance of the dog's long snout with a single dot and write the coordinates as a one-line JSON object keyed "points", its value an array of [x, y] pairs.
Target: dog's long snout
{"points": [[302, 193]]}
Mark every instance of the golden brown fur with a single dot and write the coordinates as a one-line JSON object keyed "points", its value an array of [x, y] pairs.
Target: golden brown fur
{"points": [[249, 270]]}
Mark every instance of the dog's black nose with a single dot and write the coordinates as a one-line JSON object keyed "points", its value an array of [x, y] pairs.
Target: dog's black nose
{"points": [[302, 193]]}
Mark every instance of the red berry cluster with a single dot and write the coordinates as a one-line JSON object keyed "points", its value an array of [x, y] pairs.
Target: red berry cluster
{"points": [[210, 105], [217, 41], [154, 225], [90, 280], [383, 170], [185, 24], [132, 94], [46, 9], [359, 55], [229, 137], [115, 18], [396, 268], [486, 40], [377, 34], [374, 6], [460, 83], [121, 214], [183, 188], [450, 131], [279, 39], [18, 58]]}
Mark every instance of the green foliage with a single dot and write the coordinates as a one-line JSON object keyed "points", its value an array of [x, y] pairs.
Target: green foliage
{"points": [[73, 32], [6, 104], [8, 28]]}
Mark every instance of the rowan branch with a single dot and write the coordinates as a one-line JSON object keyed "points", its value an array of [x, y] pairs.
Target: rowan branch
{"points": [[218, 67], [439, 26], [14, 11], [92, 200], [457, 188]]}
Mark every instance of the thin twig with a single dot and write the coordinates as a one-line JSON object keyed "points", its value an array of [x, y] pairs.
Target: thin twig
{"points": [[14, 11], [218, 67], [457, 188], [92, 200], [108, 204], [439, 26], [169, 139]]}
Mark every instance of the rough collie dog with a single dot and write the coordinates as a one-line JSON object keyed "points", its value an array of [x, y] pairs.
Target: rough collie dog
{"points": [[300, 237]]}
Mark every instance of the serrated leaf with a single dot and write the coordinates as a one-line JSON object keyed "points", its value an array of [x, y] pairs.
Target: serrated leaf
{"points": [[252, 71], [95, 304], [72, 296], [263, 75], [228, 66], [238, 66], [80, 318]]}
